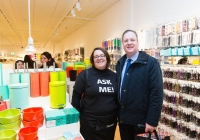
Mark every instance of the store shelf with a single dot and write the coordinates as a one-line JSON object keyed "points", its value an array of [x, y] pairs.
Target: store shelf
{"points": [[51, 133]]}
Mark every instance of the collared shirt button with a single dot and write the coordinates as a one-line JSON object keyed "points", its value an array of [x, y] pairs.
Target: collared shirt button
{"points": [[127, 74], [122, 106], [124, 90], [120, 121]]}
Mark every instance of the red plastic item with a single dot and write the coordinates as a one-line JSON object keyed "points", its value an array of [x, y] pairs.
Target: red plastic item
{"points": [[78, 138], [44, 83], [3, 105], [38, 123], [28, 133], [32, 113], [35, 84], [68, 69]]}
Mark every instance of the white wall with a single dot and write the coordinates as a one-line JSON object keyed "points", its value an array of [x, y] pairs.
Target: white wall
{"points": [[149, 13], [128, 14], [111, 23]]}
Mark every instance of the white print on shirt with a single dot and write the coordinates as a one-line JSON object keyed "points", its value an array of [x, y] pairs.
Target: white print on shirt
{"points": [[105, 89], [103, 81]]}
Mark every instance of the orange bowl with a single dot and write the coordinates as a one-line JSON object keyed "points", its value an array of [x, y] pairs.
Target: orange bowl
{"points": [[38, 123], [28, 133], [32, 113]]}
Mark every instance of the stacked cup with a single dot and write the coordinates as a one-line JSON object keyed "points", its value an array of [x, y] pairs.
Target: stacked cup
{"points": [[10, 119], [33, 117]]}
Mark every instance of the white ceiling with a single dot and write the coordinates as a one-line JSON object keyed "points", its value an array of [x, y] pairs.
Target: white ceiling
{"points": [[51, 20]]}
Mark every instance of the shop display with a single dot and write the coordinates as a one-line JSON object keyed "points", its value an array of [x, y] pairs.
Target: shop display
{"points": [[4, 93], [57, 90], [19, 92], [113, 46], [181, 101]]}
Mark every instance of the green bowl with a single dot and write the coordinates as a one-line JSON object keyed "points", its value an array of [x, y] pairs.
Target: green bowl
{"points": [[9, 116], [15, 125], [8, 135]]}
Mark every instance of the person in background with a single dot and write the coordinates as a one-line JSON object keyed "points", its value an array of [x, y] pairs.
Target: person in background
{"points": [[183, 61], [140, 89], [46, 57], [98, 116], [19, 64], [30, 62]]}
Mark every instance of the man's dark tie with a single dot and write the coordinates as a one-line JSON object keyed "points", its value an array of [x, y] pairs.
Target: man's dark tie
{"points": [[125, 73]]}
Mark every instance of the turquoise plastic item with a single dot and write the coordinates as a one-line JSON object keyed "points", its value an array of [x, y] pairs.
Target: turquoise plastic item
{"points": [[55, 118], [25, 78], [14, 78], [4, 92], [1, 74], [64, 65], [72, 115], [19, 96], [195, 50]]}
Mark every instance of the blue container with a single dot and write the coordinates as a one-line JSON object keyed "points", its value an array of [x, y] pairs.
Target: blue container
{"points": [[4, 92], [19, 96]]}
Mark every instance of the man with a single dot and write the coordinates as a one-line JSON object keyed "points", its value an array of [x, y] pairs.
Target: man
{"points": [[140, 90]]}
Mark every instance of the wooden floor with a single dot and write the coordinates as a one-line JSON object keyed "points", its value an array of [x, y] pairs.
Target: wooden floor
{"points": [[117, 135]]}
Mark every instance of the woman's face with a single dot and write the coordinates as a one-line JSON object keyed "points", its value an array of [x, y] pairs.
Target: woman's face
{"points": [[20, 65], [100, 60], [43, 59]]}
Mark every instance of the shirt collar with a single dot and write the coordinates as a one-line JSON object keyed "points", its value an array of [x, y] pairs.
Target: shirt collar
{"points": [[134, 57]]}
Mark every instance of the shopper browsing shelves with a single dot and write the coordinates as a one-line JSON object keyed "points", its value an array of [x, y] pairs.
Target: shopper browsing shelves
{"points": [[19, 64], [30, 62], [141, 89], [47, 58], [98, 116]]}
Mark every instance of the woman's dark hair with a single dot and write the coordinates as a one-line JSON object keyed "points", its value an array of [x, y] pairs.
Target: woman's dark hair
{"points": [[17, 62], [129, 31], [105, 53], [27, 59], [50, 60]]}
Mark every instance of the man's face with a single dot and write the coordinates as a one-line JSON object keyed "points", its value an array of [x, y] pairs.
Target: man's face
{"points": [[130, 43]]}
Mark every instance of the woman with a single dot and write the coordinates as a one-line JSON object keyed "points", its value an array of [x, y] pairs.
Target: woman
{"points": [[98, 103], [47, 58], [19, 64], [30, 62]]}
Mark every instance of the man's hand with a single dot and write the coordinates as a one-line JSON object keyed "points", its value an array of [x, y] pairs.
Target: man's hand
{"points": [[149, 128]]}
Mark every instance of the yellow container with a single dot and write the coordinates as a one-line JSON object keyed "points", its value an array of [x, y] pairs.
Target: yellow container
{"points": [[57, 94], [54, 76]]}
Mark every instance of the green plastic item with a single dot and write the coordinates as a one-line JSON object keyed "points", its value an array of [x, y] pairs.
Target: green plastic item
{"points": [[9, 116], [57, 90], [8, 135], [15, 125], [54, 76]]}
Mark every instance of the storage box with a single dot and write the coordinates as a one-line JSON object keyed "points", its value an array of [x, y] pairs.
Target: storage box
{"points": [[72, 115], [55, 118]]}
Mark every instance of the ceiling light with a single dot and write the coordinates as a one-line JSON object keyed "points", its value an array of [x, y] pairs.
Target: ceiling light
{"points": [[73, 12], [30, 47], [78, 6]]}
